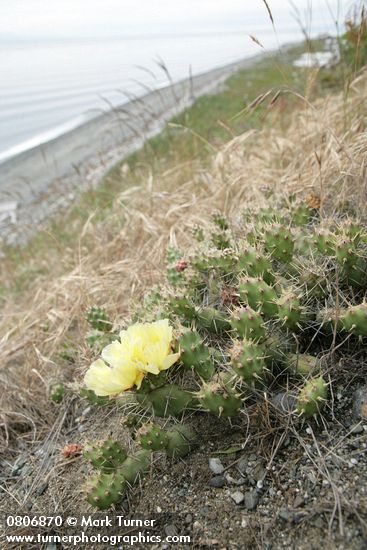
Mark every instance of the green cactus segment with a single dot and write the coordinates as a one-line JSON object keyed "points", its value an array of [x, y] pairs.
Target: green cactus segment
{"points": [[219, 398], [198, 233], [183, 308], [220, 221], [255, 264], [302, 215], [312, 397], [353, 230], [356, 275], [93, 398], [329, 320], [152, 437], [325, 242], [248, 360], [346, 253], [213, 320], [195, 355], [248, 323], [104, 490], [302, 364], [258, 295], [181, 441], [57, 393], [136, 466], [106, 456], [98, 319], [279, 243], [278, 347], [168, 400], [354, 319], [290, 311]]}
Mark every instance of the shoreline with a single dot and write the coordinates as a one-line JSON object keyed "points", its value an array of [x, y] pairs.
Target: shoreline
{"points": [[48, 178]]}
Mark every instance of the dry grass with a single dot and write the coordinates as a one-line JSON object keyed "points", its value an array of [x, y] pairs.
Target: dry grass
{"points": [[322, 151]]}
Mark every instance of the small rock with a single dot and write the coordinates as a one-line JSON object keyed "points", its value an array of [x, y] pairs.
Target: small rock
{"points": [[217, 481], [251, 500], [216, 466], [41, 489], [242, 465], [284, 402], [285, 514], [360, 404], [238, 497], [171, 530], [298, 501], [188, 518], [357, 429]]}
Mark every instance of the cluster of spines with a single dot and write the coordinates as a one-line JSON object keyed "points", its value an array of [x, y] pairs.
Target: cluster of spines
{"points": [[98, 319]]}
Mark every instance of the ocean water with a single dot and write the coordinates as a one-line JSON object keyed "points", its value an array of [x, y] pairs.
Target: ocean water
{"points": [[50, 86]]}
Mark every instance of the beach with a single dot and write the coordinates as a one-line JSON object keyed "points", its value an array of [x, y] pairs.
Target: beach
{"points": [[46, 179]]}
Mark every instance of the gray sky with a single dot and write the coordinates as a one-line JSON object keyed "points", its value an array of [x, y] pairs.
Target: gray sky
{"points": [[65, 18]]}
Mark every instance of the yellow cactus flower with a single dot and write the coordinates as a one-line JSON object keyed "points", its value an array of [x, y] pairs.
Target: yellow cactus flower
{"points": [[143, 348], [104, 380]]}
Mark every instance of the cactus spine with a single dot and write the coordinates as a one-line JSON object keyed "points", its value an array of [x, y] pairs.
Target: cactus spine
{"points": [[312, 397]]}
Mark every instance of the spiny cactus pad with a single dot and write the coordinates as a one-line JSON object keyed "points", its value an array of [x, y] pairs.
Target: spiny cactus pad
{"points": [[219, 398], [279, 243], [152, 437], [256, 293], [196, 355], [312, 397], [181, 441], [98, 319], [168, 400], [57, 392], [105, 456], [104, 490], [248, 323], [354, 320], [248, 360], [135, 466]]}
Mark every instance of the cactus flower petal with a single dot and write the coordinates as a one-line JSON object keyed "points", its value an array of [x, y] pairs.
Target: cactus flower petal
{"points": [[143, 348], [106, 381]]}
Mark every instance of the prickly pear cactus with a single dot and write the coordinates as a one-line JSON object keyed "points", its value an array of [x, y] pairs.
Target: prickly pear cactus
{"points": [[57, 392], [256, 293], [248, 323], [168, 400], [256, 308], [219, 398], [136, 466], [98, 319], [106, 456], [104, 490], [312, 397], [196, 355], [181, 441], [354, 319], [248, 360], [152, 437], [279, 243]]}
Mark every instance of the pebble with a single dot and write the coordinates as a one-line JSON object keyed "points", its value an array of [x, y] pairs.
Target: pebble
{"points": [[42, 489], [216, 466], [238, 497], [171, 530], [360, 404], [357, 429], [217, 481], [284, 402], [251, 500]]}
